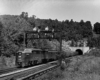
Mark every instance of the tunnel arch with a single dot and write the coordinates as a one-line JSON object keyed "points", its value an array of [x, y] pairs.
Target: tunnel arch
{"points": [[79, 51]]}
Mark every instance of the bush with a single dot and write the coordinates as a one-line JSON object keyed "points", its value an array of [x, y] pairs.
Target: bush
{"points": [[94, 52], [7, 62]]}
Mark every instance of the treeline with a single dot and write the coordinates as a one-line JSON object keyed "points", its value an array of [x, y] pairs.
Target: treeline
{"points": [[12, 27]]}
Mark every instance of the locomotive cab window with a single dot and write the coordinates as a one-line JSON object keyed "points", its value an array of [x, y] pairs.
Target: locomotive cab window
{"points": [[19, 53]]}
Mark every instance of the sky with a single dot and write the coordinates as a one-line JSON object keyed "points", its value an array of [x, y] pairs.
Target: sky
{"points": [[87, 10]]}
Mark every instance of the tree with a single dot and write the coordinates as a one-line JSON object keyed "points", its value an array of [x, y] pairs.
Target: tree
{"points": [[24, 15], [1, 39], [97, 28], [81, 22], [32, 20], [12, 33]]}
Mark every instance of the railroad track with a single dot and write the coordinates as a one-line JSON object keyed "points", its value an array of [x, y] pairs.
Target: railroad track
{"points": [[12, 69], [19, 74], [37, 74]]}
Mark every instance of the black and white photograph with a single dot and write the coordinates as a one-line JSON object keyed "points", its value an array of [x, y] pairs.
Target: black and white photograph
{"points": [[49, 39]]}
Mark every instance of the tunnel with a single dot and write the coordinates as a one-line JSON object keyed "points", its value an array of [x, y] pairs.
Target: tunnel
{"points": [[79, 51]]}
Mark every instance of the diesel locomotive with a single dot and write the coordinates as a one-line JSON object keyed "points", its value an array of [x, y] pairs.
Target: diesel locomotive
{"points": [[34, 56]]}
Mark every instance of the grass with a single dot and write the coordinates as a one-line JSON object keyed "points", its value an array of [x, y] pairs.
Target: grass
{"points": [[7, 62], [77, 68], [83, 68]]}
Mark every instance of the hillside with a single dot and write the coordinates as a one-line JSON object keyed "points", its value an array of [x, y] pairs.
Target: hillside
{"points": [[14, 25], [12, 32], [76, 68]]}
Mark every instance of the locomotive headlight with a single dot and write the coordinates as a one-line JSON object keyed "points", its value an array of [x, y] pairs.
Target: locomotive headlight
{"points": [[47, 28], [19, 56]]}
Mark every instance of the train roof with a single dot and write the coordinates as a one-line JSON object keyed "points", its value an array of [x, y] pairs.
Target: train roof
{"points": [[29, 50]]}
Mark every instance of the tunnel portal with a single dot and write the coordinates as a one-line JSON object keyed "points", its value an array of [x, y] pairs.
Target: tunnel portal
{"points": [[79, 51]]}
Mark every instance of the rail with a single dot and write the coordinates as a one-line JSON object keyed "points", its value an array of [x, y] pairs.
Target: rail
{"points": [[38, 74], [11, 75]]}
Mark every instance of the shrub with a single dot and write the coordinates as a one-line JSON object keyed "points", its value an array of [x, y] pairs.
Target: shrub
{"points": [[94, 52]]}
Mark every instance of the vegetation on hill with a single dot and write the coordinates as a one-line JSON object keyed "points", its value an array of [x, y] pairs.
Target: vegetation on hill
{"points": [[76, 68], [13, 26], [97, 28]]}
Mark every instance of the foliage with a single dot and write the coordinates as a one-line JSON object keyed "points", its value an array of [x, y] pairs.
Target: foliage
{"points": [[24, 15], [1, 38], [12, 33], [94, 52], [15, 25], [97, 28], [94, 42]]}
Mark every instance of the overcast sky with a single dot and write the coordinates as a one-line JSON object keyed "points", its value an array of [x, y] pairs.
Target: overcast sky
{"points": [[54, 9]]}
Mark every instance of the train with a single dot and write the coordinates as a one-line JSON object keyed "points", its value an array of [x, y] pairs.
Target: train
{"points": [[34, 56]]}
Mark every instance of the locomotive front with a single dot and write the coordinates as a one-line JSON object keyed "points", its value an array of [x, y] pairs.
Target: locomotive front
{"points": [[29, 57]]}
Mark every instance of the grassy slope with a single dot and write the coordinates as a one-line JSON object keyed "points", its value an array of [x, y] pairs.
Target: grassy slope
{"points": [[83, 68], [77, 68], [7, 62]]}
